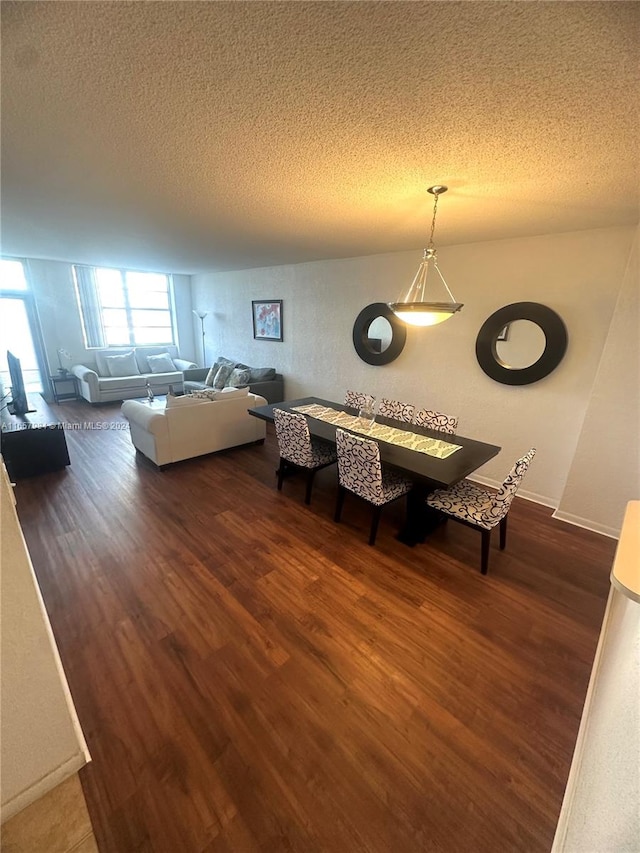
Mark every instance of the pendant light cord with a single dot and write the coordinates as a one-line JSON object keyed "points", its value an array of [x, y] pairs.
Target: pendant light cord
{"points": [[433, 221], [431, 247]]}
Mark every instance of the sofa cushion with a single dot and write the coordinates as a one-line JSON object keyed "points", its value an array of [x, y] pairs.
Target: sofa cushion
{"points": [[140, 353], [262, 374], [221, 377], [122, 383], [238, 378], [157, 379], [162, 363], [122, 365]]}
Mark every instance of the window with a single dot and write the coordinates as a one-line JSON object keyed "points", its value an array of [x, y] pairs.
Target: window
{"points": [[12, 275], [124, 308], [15, 334], [19, 330]]}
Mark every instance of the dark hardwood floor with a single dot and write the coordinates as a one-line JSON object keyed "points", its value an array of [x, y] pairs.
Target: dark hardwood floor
{"points": [[251, 676]]}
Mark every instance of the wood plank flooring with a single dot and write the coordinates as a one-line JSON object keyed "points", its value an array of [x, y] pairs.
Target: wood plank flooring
{"points": [[251, 676]]}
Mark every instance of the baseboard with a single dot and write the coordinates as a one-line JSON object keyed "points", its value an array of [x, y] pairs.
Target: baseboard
{"points": [[522, 493], [587, 524], [558, 515], [42, 786]]}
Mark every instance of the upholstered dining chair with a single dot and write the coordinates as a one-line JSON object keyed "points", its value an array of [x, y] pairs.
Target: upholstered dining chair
{"points": [[480, 508], [399, 411], [299, 449], [435, 420], [357, 400], [360, 471]]}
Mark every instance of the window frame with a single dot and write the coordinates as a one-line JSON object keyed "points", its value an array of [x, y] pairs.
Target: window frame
{"points": [[127, 308]]}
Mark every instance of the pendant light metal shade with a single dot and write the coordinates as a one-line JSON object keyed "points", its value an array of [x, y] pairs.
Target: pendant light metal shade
{"points": [[413, 307]]}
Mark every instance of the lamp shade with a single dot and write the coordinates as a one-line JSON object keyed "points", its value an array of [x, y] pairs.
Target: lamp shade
{"points": [[424, 313]]}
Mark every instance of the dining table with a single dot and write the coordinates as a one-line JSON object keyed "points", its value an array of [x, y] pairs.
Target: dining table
{"points": [[427, 472]]}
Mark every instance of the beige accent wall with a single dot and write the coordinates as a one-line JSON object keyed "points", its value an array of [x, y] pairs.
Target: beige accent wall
{"points": [[578, 274], [605, 469], [41, 743]]}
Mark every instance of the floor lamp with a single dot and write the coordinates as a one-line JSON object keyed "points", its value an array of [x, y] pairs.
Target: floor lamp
{"points": [[201, 315]]}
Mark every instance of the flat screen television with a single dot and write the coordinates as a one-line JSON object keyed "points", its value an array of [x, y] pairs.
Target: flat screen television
{"points": [[19, 405]]}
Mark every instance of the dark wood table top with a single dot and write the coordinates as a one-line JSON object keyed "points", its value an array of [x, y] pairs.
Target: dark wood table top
{"points": [[440, 473], [39, 416]]}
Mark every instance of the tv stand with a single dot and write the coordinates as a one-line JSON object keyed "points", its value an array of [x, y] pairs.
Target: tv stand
{"points": [[33, 443]]}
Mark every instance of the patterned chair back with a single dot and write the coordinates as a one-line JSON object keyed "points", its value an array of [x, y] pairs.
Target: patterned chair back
{"points": [[294, 439], [436, 420], [359, 466], [502, 500], [393, 409], [357, 400]]}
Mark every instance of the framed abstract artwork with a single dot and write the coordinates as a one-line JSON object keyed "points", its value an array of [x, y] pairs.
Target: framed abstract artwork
{"points": [[267, 319]]}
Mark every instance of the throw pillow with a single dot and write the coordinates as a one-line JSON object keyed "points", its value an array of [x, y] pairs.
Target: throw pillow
{"points": [[184, 400], [123, 365], [220, 379], [211, 375], [238, 379], [262, 374], [230, 393], [161, 363], [206, 394]]}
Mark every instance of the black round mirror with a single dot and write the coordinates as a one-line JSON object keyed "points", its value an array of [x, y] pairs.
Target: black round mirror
{"points": [[378, 336], [521, 343]]}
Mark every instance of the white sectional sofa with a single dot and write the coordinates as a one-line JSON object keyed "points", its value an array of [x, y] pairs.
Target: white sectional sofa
{"points": [[187, 426], [99, 385]]}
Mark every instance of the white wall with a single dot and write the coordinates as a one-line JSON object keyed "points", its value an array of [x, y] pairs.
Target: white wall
{"points": [[187, 343], [40, 737], [57, 307], [605, 471], [579, 275], [601, 805]]}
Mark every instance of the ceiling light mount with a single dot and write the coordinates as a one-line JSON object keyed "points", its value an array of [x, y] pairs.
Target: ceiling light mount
{"points": [[413, 306]]}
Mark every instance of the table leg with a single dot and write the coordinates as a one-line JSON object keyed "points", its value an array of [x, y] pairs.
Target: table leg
{"points": [[421, 520]]}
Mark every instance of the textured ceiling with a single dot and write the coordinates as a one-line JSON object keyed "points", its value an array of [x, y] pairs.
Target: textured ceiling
{"points": [[216, 135]]}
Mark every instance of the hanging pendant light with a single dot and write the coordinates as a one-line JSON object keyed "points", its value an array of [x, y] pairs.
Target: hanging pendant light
{"points": [[413, 307]]}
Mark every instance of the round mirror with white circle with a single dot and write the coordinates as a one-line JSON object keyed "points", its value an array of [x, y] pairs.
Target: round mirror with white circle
{"points": [[378, 336], [521, 343]]}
